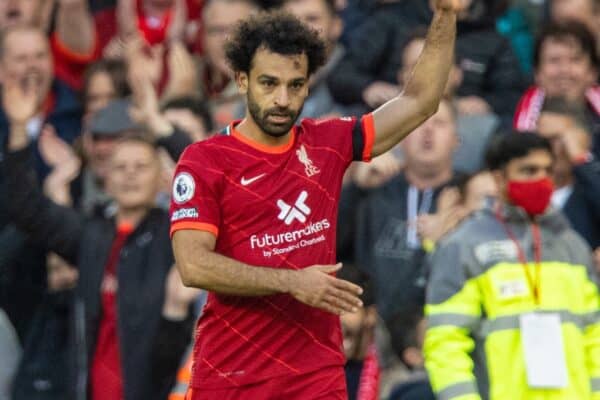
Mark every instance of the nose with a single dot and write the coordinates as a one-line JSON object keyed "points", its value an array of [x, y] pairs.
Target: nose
{"points": [[282, 99]]}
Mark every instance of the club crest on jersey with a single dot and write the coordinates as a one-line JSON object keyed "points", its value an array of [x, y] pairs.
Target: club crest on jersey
{"points": [[183, 187], [309, 168]]}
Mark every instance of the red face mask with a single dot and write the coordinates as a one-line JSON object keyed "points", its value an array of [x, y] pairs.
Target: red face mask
{"points": [[532, 196]]}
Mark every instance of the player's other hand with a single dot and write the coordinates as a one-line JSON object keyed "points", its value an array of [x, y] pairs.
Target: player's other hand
{"points": [[316, 287]]}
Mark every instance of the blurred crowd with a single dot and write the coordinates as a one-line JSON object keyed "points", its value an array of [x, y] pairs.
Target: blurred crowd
{"points": [[108, 93]]}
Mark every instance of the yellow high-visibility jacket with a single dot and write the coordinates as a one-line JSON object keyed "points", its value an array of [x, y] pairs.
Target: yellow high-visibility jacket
{"points": [[477, 291]]}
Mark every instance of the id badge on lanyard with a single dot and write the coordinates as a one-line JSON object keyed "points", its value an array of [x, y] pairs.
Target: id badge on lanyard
{"points": [[543, 351], [541, 333]]}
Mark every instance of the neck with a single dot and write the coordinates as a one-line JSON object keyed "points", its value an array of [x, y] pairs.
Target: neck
{"points": [[249, 128], [427, 177], [131, 216]]}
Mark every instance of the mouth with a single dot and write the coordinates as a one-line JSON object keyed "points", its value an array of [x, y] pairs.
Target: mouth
{"points": [[278, 119]]}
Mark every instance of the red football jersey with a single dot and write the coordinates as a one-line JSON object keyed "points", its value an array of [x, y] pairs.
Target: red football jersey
{"points": [[269, 207]]}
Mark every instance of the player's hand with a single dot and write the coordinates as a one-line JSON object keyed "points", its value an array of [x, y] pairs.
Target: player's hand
{"points": [[451, 5], [317, 288]]}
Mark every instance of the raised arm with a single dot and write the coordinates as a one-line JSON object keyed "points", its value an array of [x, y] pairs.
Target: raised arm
{"points": [[423, 92], [200, 266], [75, 26], [58, 228]]}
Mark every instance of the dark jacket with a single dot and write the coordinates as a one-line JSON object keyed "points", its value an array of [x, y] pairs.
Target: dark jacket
{"points": [[143, 266], [22, 264], [381, 250], [490, 68], [582, 208]]}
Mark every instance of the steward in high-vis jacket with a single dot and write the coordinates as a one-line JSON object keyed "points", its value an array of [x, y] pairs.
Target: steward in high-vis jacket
{"points": [[512, 302]]}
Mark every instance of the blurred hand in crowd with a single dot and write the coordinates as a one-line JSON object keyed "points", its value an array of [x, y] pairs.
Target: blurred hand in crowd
{"points": [[567, 137], [177, 27], [183, 74], [20, 100], [448, 215], [145, 109], [377, 172], [63, 162], [61, 275], [178, 297], [379, 92]]}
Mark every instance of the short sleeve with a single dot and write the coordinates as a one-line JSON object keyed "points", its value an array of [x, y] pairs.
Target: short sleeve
{"points": [[353, 136], [194, 199]]}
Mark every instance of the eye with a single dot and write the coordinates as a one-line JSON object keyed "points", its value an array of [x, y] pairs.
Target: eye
{"points": [[297, 85], [268, 83]]}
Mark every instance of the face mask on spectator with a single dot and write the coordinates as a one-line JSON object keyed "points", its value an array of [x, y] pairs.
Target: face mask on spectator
{"points": [[532, 195]]}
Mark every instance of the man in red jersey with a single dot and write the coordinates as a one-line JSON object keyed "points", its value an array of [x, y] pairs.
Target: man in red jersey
{"points": [[254, 214]]}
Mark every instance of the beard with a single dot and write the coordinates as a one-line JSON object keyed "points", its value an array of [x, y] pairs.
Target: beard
{"points": [[261, 117]]}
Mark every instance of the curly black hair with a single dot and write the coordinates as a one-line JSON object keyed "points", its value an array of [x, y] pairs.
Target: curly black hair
{"points": [[278, 32]]}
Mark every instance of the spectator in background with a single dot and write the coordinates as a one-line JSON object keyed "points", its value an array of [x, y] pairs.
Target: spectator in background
{"points": [[407, 330], [127, 255], [576, 173], [362, 366], [103, 81], [69, 25], [566, 64], [115, 120], [387, 244], [191, 115], [474, 129], [25, 58], [321, 15], [504, 277], [216, 77], [586, 12], [491, 77], [477, 189]]}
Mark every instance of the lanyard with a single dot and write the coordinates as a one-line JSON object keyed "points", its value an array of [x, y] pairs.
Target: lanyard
{"points": [[534, 285], [413, 211]]}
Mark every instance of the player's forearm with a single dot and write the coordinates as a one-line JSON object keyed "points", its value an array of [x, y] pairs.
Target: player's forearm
{"points": [[225, 275], [430, 74], [423, 91]]}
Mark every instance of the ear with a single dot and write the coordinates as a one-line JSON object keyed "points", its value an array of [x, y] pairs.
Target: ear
{"points": [[241, 79], [337, 26]]}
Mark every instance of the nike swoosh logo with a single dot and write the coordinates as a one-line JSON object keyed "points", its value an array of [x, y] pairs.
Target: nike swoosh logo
{"points": [[246, 182]]}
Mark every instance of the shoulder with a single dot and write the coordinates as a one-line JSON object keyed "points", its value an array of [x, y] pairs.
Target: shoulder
{"points": [[206, 150], [312, 125]]}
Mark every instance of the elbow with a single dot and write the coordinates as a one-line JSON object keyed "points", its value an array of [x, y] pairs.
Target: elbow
{"points": [[189, 275], [428, 107], [195, 276]]}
